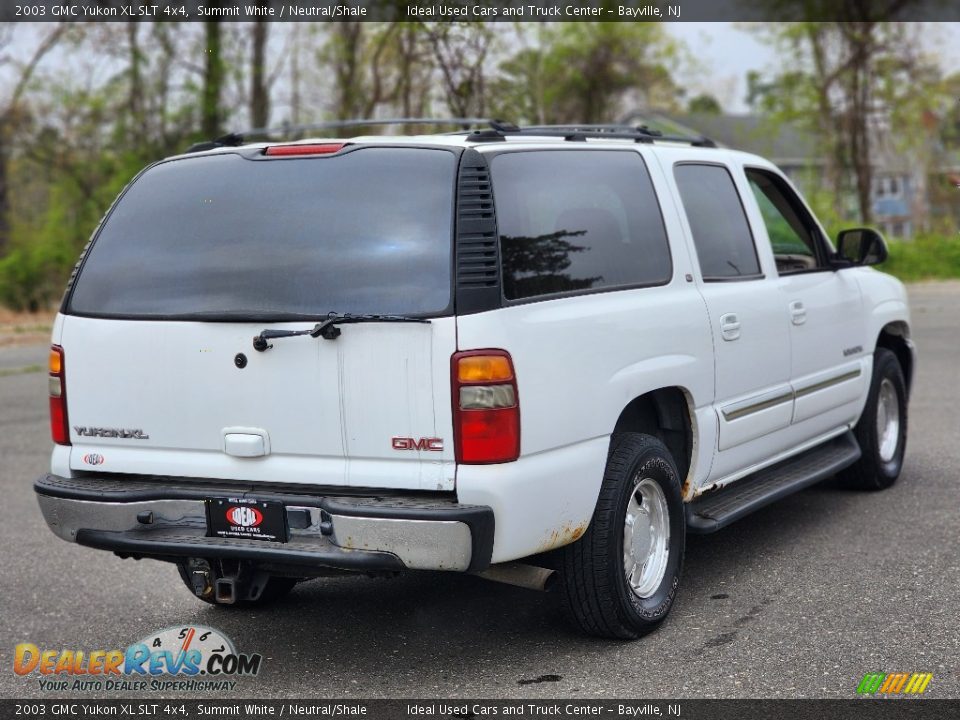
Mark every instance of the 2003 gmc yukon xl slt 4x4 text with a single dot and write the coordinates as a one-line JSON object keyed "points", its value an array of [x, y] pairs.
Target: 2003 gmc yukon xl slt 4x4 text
{"points": [[563, 346]]}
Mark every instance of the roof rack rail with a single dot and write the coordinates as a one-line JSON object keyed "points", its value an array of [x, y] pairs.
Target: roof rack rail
{"points": [[287, 129], [228, 140], [495, 130], [500, 130]]}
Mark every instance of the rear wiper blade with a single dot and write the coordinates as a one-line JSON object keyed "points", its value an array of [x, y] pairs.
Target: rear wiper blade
{"points": [[328, 329]]}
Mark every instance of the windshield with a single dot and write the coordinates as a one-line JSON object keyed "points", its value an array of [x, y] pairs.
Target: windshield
{"points": [[368, 231]]}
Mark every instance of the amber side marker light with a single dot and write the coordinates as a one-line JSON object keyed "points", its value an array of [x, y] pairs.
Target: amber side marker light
{"points": [[59, 425], [486, 407]]}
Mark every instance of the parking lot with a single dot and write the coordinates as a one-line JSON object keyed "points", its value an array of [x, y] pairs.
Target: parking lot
{"points": [[799, 600]]}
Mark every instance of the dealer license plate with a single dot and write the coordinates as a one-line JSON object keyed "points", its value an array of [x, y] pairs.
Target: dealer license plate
{"points": [[247, 518]]}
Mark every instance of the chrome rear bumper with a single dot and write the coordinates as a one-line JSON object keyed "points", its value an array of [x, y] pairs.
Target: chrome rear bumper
{"points": [[166, 519]]}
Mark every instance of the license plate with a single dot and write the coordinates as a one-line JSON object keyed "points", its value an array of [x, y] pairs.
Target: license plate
{"points": [[247, 518]]}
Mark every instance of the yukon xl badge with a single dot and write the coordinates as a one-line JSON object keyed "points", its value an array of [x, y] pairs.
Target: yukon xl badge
{"points": [[111, 433]]}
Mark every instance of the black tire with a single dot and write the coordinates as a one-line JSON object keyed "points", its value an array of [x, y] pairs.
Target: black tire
{"points": [[594, 589], [275, 589], [872, 471]]}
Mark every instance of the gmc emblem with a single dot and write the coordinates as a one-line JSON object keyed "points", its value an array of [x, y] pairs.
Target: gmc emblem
{"points": [[406, 443]]}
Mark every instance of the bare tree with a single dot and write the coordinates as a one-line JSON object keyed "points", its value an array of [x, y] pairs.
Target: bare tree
{"points": [[413, 68], [295, 78], [211, 112], [135, 102], [849, 83], [259, 90], [460, 52], [346, 49]]}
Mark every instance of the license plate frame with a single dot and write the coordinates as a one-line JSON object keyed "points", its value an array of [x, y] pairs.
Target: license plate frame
{"points": [[247, 519]]}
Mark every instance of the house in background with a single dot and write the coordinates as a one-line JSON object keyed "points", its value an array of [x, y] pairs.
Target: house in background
{"points": [[901, 206], [944, 188]]}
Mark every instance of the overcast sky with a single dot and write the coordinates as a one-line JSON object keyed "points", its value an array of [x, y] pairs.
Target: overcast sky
{"points": [[727, 51]]}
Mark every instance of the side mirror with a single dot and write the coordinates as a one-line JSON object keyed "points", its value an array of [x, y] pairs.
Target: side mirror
{"points": [[860, 246]]}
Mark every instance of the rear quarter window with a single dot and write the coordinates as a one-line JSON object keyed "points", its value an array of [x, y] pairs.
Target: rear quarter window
{"points": [[577, 221]]}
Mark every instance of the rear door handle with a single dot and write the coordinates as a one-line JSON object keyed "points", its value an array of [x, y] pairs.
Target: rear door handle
{"points": [[798, 313], [730, 326]]}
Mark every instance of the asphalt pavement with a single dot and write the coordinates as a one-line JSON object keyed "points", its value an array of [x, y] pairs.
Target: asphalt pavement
{"points": [[798, 600]]}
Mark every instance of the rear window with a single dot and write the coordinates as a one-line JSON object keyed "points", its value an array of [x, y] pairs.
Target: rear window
{"points": [[577, 220], [368, 231]]}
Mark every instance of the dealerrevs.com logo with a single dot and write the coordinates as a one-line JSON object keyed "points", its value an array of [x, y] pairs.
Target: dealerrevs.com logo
{"points": [[176, 658]]}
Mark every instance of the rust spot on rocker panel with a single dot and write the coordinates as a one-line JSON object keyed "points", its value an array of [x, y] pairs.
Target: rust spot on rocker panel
{"points": [[564, 535]]}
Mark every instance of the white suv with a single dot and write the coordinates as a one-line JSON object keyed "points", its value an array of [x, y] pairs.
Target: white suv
{"points": [[568, 346]]}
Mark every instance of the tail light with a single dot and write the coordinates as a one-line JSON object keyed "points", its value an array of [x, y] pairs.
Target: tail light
{"points": [[59, 426], [486, 407]]}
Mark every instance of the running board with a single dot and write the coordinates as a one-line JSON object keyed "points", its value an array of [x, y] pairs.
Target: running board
{"points": [[716, 509]]}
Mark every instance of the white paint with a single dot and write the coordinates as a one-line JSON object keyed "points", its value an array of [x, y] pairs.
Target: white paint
{"points": [[325, 411]]}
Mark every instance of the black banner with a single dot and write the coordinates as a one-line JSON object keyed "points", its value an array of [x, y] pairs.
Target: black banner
{"points": [[476, 10], [856, 709]]}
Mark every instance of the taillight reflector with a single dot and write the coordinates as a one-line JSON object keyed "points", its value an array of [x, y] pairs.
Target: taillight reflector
{"points": [[488, 436], [314, 149], [486, 407], [59, 425]]}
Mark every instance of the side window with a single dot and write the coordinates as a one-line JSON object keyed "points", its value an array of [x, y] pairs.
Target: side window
{"points": [[794, 236], [577, 220], [719, 225]]}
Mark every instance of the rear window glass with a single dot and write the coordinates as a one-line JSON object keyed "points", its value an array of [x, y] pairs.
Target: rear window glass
{"points": [[576, 221], [365, 232]]}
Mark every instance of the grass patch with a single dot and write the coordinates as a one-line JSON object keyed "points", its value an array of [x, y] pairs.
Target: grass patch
{"points": [[25, 370], [23, 329], [926, 257]]}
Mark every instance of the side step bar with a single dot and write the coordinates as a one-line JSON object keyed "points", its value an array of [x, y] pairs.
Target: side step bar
{"points": [[718, 508]]}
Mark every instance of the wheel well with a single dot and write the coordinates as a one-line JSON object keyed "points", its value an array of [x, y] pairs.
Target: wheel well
{"points": [[895, 337], [665, 414]]}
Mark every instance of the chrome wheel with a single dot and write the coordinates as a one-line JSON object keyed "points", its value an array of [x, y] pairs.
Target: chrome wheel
{"points": [[888, 420], [646, 538]]}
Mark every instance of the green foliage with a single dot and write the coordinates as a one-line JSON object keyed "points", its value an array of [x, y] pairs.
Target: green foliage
{"points": [[704, 104], [136, 93], [926, 257], [73, 142], [588, 72], [845, 83], [42, 251], [823, 203]]}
